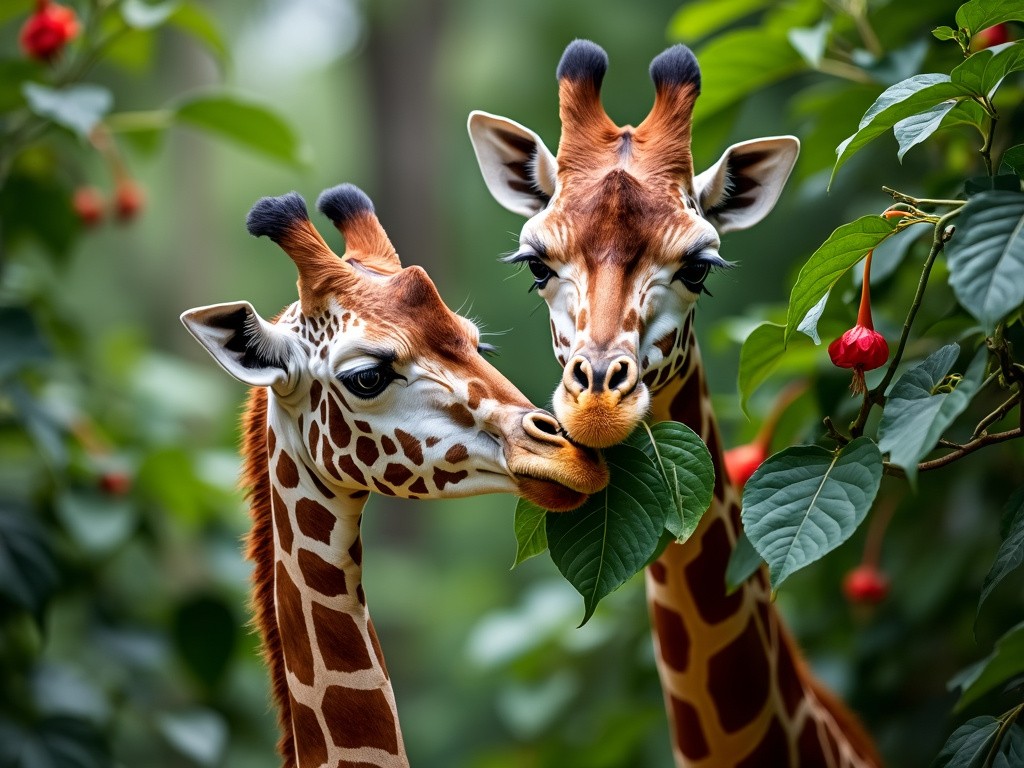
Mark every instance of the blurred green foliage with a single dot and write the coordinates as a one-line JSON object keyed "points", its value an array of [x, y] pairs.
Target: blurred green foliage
{"points": [[123, 637]]}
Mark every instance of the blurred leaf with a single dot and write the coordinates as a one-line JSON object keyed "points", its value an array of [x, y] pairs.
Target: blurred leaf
{"points": [[977, 15], [743, 563], [810, 42], [914, 129], [13, 73], [167, 476], [46, 432], [759, 356], [986, 256], [982, 72], [531, 535], [1013, 158], [28, 569], [251, 125], [193, 19], [687, 472], [916, 414], [969, 744], [97, 522], [604, 543], [1011, 551], [1005, 181], [700, 18], [909, 97], [53, 742], [805, 501], [35, 205], [899, 64], [76, 107], [199, 734], [21, 342], [61, 689], [142, 15], [205, 633], [739, 63], [1005, 663], [846, 246]]}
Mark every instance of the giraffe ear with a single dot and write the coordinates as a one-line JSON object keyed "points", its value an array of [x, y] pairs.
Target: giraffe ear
{"points": [[744, 185], [243, 343], [517, 168]]}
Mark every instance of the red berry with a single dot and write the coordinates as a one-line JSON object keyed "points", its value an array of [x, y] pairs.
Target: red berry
{"points": [[986, 38], [115, 483], [742, 461], [865, 584], [87, 202], [48, 30], [860, 347], [128, 199]]}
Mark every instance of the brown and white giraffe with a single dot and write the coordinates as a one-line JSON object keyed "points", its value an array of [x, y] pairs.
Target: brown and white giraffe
{"points": [[367, 383], [620, 239]]}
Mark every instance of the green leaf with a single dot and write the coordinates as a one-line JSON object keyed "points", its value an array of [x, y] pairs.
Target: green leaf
{"points": [[531, 534], [759, 356], [889, 254], [805, 501], [1011, 750], [908, 97], [205, 634], [915, 415], [810, 42], [975, 185], [196, 21], [944, 33], [687, 472], [982, 72], [977, 15], [21, 342], [1011, 551], [1013, 158], [141, 15], [611, 537], [846, 246], [809, 325], [699, 19], [914, 129], [969, 744], [1004, 663], [28, 570], [97, 522], [76, 107], [53, 742], [986, 256], [251, 125], [13, 73], [743, 563], [199, 734]]}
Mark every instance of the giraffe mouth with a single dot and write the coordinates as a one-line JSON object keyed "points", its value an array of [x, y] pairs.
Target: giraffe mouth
{"points": [[550, 494], [601, 420]]}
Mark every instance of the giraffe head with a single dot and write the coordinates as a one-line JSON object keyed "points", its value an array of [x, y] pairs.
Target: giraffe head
{"points": [[621, 234], [375, 383]]}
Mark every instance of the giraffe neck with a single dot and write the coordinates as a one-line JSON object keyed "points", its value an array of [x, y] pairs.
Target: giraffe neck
{"points": [[736, 689], [336, 705]]}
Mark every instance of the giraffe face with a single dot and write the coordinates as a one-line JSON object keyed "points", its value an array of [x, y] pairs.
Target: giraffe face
{"points": [[621, 235], [378, 386]]}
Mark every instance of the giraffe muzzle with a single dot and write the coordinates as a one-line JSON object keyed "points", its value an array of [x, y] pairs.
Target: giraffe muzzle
{"points": [[601, 398]]}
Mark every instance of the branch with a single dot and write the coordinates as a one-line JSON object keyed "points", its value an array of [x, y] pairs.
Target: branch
{"points": [[970, 447]]}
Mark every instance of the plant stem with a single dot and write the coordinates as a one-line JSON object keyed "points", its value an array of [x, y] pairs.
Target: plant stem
{"points": [[996, 415], [843, 70], [899, 196], [1004, 726], [986, 147], [970, 447]]}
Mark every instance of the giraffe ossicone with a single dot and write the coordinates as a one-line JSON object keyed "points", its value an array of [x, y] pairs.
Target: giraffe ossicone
{"points": [[367, 383], [620, 238]]}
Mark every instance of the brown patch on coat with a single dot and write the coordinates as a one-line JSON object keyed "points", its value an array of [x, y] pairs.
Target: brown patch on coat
{"points": [[461, 415], [287, 472], [322, 577], [410, 447], [475, 393], [315, 520], [341, 432], [456, 454], [689, 735], [367, 451], [360, 718], [388, 445], [397, 474], [773, 749], [443, 478], [341, 644], [420, 487], [705, 575], [673, 639], [283, 523], [298, 655], [312, 747], [376, 648], [738, 680]]}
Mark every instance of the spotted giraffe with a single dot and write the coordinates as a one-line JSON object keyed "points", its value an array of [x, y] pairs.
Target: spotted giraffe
{"points": [[367, 383], [620, 237]]}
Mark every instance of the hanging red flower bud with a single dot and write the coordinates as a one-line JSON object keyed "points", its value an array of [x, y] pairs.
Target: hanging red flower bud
{"points": [[865, 584], [115, 483], [87, 203], [742, 461], [128, 199], [860, 348], [48, 30], [986, 38]]}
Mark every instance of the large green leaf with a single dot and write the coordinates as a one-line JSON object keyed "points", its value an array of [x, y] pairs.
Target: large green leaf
{"points": [[699, 19], [531, 533], [969, 744], [1004, 663], [846, 246], [759, 356], [247, 123], [983, 71], [687, 472], [199, 734], [898, 102], [76, 107], [917, 411], [977, 15], [805, 501], [28, 570], [1011, 750], [613, 535], [1013, 158], [986, 256], [193, 19], [1011, 551], [141, 15], [743, 563], [912, 130]]}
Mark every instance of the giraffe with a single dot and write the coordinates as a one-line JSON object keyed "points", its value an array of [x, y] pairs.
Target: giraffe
{"points": [[367, 383], [620, 238]]}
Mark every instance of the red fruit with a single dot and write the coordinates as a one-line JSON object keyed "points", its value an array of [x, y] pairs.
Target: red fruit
{"points": [[742, 461], [986, 38], [865, 584], [87, 203], [128, 199], [48, 30], [115, 483]]}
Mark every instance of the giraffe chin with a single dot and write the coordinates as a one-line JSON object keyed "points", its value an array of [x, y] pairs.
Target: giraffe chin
{"points": [[550, 495], [600, 420]]}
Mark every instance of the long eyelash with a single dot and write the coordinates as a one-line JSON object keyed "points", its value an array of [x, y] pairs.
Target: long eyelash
{"points": [[487, 349]]}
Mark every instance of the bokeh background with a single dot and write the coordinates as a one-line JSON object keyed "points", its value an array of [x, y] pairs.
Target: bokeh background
{"points": [[123, 616]]}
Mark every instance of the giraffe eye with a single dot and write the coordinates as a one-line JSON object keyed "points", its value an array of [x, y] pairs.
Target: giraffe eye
{"points": [[368, 382], [692, 275], [541, 273]]}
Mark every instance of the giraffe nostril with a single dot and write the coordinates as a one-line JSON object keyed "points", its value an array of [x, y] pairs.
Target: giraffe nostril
{"points": [[580, 375], [543, 427], [618, 375], [546, 426]]}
